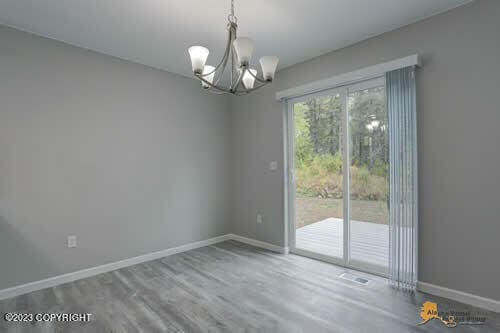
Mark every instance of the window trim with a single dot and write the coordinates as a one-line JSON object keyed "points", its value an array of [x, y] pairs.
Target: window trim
{"points": [[356, 76]]}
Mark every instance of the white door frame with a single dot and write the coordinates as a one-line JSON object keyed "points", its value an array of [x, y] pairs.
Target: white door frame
{"points": [[289, 158]]}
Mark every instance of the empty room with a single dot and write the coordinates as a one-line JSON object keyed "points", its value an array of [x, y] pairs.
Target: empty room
{"points": [[249, 166]]}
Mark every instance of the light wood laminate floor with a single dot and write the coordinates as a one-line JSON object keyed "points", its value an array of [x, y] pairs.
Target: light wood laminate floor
{"points": [[232, 287]]}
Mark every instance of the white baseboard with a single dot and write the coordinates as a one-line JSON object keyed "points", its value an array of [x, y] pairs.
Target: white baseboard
{"points": [[459, 296], [84, 273], [88, 272], [257, 243]]}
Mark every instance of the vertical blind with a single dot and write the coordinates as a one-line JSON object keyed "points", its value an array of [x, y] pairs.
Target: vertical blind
{"points": [[403, 197]]}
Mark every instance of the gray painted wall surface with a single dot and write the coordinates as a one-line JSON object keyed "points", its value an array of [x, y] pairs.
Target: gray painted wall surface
{"points": [[128, 158], [459, 143]]}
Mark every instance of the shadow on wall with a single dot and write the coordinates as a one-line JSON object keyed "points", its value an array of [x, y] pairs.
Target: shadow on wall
{"points": [[20, 260]]}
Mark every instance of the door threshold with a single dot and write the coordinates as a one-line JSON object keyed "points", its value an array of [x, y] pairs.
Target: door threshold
{"points": [[380, 272]]}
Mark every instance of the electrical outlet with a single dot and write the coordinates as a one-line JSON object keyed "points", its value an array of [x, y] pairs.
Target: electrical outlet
{"points": [[273, 165], [259, 218], [71, 241]]}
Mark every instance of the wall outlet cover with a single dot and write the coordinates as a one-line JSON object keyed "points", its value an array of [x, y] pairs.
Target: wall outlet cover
{"points": [[71, 241]]}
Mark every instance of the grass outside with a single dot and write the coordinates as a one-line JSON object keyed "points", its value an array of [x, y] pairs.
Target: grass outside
{"points": [[310, 210]]}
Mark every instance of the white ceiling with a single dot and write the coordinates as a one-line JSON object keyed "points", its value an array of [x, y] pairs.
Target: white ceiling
{"points": [[158, 32]]}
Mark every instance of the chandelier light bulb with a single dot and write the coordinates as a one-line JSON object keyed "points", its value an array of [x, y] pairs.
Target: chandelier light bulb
{"points": [[244, 50], [249, 79], [269, 64], [199, 55], [375, 123]]}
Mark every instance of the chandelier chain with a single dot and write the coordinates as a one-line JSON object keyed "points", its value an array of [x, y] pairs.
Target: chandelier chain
{"points": [[231, 18]]}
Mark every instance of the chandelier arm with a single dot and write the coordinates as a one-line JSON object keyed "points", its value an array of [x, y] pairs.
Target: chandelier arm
{"points": [[219, 90], [216, 92], [219, 75], [247, 91], [234, 86], [231, 81], [224, 60], [211, 85], [258, 79], [224, 57]]}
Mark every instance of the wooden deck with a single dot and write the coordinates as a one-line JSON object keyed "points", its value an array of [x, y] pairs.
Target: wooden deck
{"points": [[369, 241]]}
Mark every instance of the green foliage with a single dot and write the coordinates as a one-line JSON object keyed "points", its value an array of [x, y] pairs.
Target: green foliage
{"points": [[362, 175], [368, 145], [327, 163], [324, 119], [321, 176], [303, 144], [380, 168], [318, 146], [367, 186], [317, 181]]}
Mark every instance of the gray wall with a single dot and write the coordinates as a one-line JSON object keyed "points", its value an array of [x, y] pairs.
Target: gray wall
{"points": [[128, 158], [459, 138]]}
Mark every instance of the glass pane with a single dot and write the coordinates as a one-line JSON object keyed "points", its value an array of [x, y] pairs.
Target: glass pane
{"points": [[369, 182], [318, 174]]}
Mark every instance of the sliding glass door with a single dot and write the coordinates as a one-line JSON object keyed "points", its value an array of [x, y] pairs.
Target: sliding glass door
{"points": [[318, 159], [338, 158], [368, 176]]}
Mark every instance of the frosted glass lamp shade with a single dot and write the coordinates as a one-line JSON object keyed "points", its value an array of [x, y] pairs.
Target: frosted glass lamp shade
{"points": [[210, 77], [244, 50], [248, 79], [269, 64], [199, 55]]}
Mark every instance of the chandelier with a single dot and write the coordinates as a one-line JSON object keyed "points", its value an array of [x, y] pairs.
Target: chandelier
{"points": [[237, 56]]}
